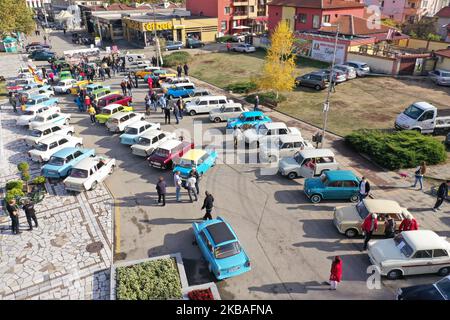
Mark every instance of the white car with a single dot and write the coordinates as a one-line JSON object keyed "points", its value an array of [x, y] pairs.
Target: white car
{"points": [[228, 111], [47, 130], [273, 149], [48, 146], [133, 131], [118, 121], [205, 104], [88, 173], [410, 253], [171, 81], [31, 112], [244, 47], [362, 69], [149, 141], [269, 129], [440, 77], [64, 86], [197, 93], [47, 92], [50, 116], [350, 72]]}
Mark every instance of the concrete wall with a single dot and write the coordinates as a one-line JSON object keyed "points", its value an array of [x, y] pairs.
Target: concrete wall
{"points": [[443, 63], [377, 64], [429, 45]]}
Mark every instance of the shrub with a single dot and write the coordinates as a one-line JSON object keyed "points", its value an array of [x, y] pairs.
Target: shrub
{"points": [[13, 194], [268, 98], [200, 294], [158, 279], [39, 180], [224, 39], [242, 87], [176, 58], [14, 184], [26, 176], [395, 150], [23, 167]]}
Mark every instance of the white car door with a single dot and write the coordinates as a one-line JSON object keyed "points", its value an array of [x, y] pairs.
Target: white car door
{"points": [[420, 263], [440, 259], [202, 106], [307, 168], [102, 171]]}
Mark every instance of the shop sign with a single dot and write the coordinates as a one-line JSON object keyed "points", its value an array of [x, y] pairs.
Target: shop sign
{"points": [[151, 26], [323, 51]]}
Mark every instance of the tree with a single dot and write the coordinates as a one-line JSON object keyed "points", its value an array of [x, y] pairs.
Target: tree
{"points": [[420, 29], [15, 16], [278, 71]]}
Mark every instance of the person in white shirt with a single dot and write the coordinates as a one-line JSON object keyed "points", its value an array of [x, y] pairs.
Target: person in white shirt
{"points": [[177, 182], [190, 184]]}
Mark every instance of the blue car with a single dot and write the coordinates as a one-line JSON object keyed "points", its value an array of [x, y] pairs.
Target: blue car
{"points": [[195, 158], [40, 100], [62, 162], [221, 248], [36, 85], [182, 90], [249, 117], [133, 131], [333, 185], [174, 45]]}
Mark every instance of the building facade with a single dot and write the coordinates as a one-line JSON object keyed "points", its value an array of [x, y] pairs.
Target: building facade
{"points": [[443, 23], [233, 15], [37, 3]]}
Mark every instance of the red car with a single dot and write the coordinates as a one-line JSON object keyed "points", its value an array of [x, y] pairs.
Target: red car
{"points": [[163, 157], [114, 98]]}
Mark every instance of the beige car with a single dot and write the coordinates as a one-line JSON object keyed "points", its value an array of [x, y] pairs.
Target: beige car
{"points": [[348, 219]]}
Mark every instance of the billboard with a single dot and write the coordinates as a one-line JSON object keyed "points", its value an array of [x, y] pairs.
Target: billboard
{"points": [[323, 51]]}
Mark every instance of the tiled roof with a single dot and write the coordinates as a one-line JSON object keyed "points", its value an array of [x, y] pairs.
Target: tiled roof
{"points": [[320, 4], [443, 53], [118, 7], [444, 12], [351, 25]]}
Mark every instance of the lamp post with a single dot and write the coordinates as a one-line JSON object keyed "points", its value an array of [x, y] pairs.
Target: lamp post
{"points": [[326, 105]]}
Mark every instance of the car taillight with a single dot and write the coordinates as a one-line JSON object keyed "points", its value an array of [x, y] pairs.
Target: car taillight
{"points": [[247, 264]]}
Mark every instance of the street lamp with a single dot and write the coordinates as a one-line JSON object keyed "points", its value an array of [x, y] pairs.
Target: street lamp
{"points": [[326, 105]]}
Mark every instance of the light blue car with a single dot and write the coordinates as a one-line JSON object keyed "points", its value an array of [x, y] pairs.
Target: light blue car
{"points": [[41, 100], [249, 117], [62, 162], [182, 90], [36, 85], [195, 158], [133, 131], [221, 248]]}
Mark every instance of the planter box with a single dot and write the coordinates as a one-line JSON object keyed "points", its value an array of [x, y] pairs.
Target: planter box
{"points": [[209, 285], [175, 256]]}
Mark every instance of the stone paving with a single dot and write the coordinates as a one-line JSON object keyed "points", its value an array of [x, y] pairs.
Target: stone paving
{"points": [[69, 256]]}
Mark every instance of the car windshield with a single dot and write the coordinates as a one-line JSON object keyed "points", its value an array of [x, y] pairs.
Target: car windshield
{"points": [[56, 161], [36, 133], [413, 111], [31, 101], [130, 130], [61, 84], [41, 147], [323, 178], [162, 152], [28, 113], [184, 163], [298, 157], [363, 66], [79, 173], [403, 246], [362, 210], [444, 287], [39, 119], [21, 82], [227, 250], [144, 141], [106, 111]]}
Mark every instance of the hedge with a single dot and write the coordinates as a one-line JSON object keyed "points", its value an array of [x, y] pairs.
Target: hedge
{"points": [[152, 280], [242, 87], [224, 39], [14, 184], [395, 150], [176, 58], [13, 194]]}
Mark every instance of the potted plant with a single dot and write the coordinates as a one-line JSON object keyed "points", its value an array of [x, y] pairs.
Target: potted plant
{"points": [[26, 178], [39, 182]]}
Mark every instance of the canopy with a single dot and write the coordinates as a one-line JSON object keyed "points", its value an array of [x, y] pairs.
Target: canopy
{"points": [[241, 27], [63, 15]]}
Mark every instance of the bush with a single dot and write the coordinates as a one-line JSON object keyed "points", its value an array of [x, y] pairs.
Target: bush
{"points": [[395, 150], [13, 194], [176, 58], [242, 87], [268, 98], [39, 180], [224, 39], [14, 184], [26, 176], [158, 279], [23, 167]]}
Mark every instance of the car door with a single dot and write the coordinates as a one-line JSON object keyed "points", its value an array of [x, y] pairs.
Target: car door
{"points": [[285, 149], [52, 148], [333, 190], [349, 188], [427, 121], [67, 164], [102, 170], [421, 262], [202, 106], [440, 260]]}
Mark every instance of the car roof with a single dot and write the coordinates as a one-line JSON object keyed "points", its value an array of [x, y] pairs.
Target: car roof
{"points": [[112, 106], [170, 144], [184, 84], [424, 240], [120, 114], [290, 138], [93, 85], [111, 95], [37, 107], [252, 113], [48, 125], [153, 133], [220, 232], [210, 97], [382, 206], [137, 124], [340, 175], [54, 138], [99, 90], [194, 154], [86, 163], [309, 153], [424, 105], [37, 96], [357, 62], [64, 152], [275, 125]]}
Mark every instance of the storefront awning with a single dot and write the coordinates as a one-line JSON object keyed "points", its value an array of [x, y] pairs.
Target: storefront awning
{"points": [[241, 28]]}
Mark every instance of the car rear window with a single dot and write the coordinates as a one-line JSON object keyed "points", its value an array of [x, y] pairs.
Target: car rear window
{"points": [[56, 161], [162, 152], [227, 250], [79, 173]]}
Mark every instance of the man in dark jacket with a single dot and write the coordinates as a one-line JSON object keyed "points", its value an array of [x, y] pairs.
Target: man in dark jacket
{"points": [[186, 69], [13, 210], [389, 227], [161, 189], [179, 71], [208, 204], [441, 194], [30, 213]]}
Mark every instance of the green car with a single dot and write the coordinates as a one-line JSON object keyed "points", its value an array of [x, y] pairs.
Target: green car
{"points": [[96, 94], [65, 75], [109, 110]]}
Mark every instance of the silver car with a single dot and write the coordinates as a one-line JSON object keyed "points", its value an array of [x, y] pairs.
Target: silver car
{"points": [[350, 72], [228, 111], [440, 77], [362, 68]]}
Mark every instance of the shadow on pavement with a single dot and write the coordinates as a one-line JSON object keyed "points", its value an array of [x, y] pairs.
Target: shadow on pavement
{"points": [[291, 287]]}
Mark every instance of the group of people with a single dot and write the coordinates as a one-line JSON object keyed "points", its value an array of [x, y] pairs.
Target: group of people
{"points": [[14, 211]]}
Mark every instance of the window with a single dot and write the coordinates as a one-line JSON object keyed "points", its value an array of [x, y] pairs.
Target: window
{"points": [[335, 184], [56, 129], [53, 145], [69, 158], [316, 22], [203, 103], [62, 141], [227, 10], [382, 4], [439, 253], [161, 136], [326, 18], [223, 25], [301, 17], [46, 132], [423, 254], [427, 116], [349, 184], [77, 154], [222, 101], [252, 9]]}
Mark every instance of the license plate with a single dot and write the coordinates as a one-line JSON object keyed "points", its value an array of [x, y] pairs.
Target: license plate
{"points": [[234, 269]]}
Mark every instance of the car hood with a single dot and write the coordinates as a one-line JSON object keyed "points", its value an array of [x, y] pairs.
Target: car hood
{"points": [[51, 167], [421, 292], [313, 183], [74, 180], [347, 214], [250, 134], [385, 250], [288, 162], [128, 136], [184, 172], [404, 119]]}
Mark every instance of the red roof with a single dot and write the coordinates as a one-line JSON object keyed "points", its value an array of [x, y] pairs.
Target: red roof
{"points": [[319, 4], [443, 53], [351, 25], [444, 12]]}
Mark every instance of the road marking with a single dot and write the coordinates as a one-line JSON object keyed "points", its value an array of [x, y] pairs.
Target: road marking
{"points": [[116, 227]]}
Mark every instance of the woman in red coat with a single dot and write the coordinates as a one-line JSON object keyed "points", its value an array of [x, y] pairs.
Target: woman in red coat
{"points": [[336, 272]]}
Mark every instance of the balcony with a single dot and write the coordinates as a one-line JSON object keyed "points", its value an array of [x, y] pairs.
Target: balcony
{"points": [[240, 3], [239, 15]]}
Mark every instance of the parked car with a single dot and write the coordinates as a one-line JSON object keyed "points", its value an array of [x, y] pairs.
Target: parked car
{"points": [[244, 47], [240, 37], [64, 86], [338, 76], [110, 110], [271, 149], [180, 90], [362, 69], [308, 163], [133, 131], [205, 104], [118, 121], [146, 71], [174, 45], [410, 253], [64, 75], [269, 129], [333, 185], [249, 117], [149, 141], [20, 84], [225, 112], [90, 88], [79, 85], [50, 116], [197, 93], [439, 290], [41, 100], [221, 248], [48, 146], [440, 77], [169, 151], [350, 72], [175, 80], [348, 219], [100, 93], [195, 158], [113, 98], [425, 118], [194, 43], [88, 173], [42, 55], [46, 91], [61, 163], [314, 80], [47, 130], [31, 112], [158, 75]]}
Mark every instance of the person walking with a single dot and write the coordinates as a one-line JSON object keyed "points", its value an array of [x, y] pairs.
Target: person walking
{"points": [[176, 112], [64, 31], [389, 227], [178, 183], [101, 72], [92, 113], [419, 173], [148, 103], [408, 224], [190, 186], [129, 88], [150, 83], [256, 106], [136, 81], [369, 225], [364, 189], [335, 273], [162, 103], [442, 193], [167, 114], [186, 69], [161, 190], [108, 72], [154, 100], [208, 205], [123, 86], [194, 173], [13, 102], [179, 104], [13, 210], [30, 213], [179, 71]]}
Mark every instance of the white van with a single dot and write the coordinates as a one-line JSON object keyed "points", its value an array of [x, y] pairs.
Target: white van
{"points": [[206, 104], [118, 121]]}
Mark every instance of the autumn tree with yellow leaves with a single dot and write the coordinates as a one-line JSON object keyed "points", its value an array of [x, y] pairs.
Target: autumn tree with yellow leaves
{"points": [[278, 70]]}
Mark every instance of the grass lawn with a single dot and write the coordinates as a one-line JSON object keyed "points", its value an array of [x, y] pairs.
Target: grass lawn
{"points": [[371, 102]]}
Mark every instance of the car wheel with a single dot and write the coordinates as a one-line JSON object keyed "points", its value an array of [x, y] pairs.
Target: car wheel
{"points": [[354, 198], [394, 274], [317, 87], [111, 170], [94, 185], [67, 121], [70, 133], [217, 120], [292, 175], [444, 271], [78, 145], [192, 113], [316, 198], [351, 233], [68, 91]]}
